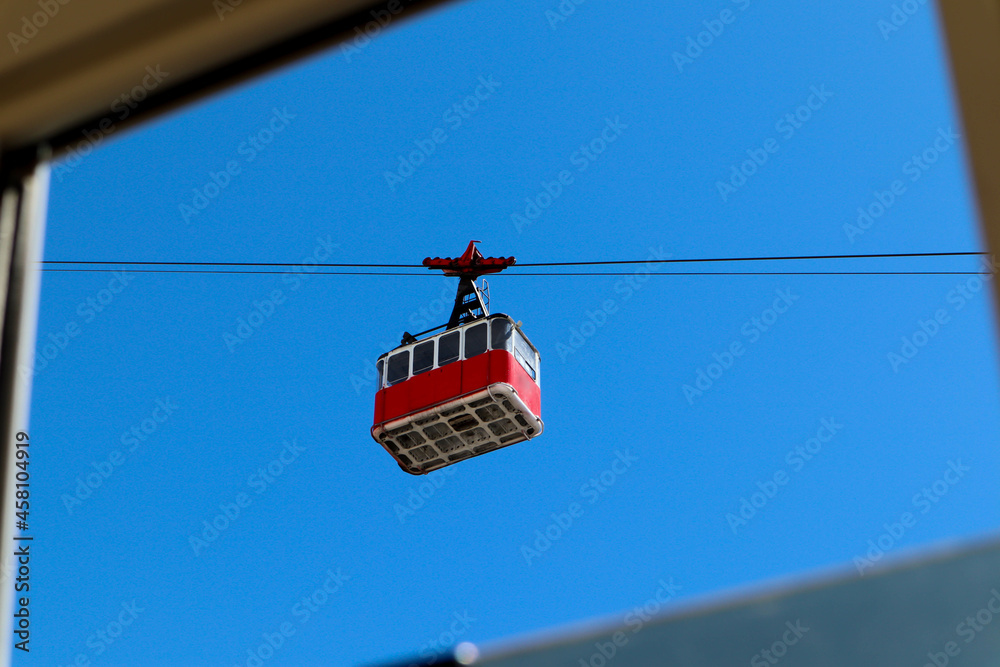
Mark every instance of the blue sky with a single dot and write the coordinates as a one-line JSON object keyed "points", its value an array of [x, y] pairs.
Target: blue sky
{"points": [[622, 146]]}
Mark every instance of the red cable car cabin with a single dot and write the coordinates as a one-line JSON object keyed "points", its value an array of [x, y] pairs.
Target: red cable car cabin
{"points": [[458, 394], [470, 390]]}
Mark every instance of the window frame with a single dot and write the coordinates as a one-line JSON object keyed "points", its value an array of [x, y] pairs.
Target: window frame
{"points": [[486, 341], [510, 330], [413, 358], [407, 375], [529, 363], [437, 346], [530, 367]]}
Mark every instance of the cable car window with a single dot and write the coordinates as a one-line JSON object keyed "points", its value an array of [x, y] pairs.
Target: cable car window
{"points": [[500, 334], [448, 348], [399, 367], [475, 340], [423, 357], [380, 366], [524, 354]]}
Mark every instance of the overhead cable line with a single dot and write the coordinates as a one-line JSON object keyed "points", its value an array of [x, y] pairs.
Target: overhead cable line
{"points": [[760, 259], [51, 263], [272, 264], [537, 274]]}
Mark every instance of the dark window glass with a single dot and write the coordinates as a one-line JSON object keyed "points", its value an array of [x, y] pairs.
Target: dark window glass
{"points": [[500, 334], [399, 367], [475, 340], [448, 348], [423, 357], [524, 354], [380, 366]]}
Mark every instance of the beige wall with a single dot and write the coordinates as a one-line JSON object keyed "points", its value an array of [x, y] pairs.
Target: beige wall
{"points": [[64, 62], [973, 31]]}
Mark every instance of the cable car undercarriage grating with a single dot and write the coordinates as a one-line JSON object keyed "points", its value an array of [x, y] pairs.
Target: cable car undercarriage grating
{"points": [[481, 422]]}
